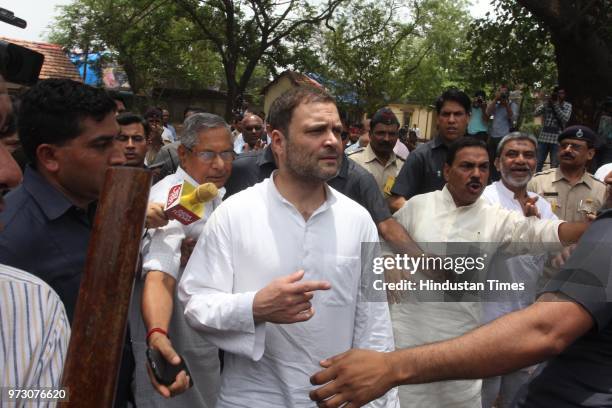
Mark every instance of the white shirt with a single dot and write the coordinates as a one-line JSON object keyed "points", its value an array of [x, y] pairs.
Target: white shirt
{"points": [[433, 220], [34, 333], [401, 150], [162, 252], [521, 268], [167, 136], [603, 171], [254, 237]]}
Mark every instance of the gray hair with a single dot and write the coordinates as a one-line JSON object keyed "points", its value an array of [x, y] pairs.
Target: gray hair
{"points": [[198, 122], [515, 136]]}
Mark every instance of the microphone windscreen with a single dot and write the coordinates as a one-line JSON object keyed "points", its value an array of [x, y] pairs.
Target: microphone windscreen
{"points": [[206, 192]]}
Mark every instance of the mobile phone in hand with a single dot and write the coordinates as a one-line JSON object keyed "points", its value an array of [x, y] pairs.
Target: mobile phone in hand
{"points": [[164, 372]]}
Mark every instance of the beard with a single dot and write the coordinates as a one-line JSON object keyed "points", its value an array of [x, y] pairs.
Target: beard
{"points": [[307, 167], [517, 182]]}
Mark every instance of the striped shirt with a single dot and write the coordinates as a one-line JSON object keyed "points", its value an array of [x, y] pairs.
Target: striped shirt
{"points": [[34, 333]]}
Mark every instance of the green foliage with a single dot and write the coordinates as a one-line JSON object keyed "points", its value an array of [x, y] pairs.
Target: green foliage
{"points": [[511, 47], [390, 51], [155, 46], [443, 48]]}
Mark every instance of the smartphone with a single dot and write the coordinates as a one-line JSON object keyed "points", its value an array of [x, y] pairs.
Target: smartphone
{"points": [[164, 372]]}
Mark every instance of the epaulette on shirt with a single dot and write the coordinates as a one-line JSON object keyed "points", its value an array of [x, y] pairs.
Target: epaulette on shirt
{"points": [[545, 172], [361, 149], [595, 178]]}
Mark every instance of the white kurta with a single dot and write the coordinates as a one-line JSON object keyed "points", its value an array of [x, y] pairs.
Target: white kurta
{"points": [[253, 238], [434, 218], [162, 252], [521, 268]]}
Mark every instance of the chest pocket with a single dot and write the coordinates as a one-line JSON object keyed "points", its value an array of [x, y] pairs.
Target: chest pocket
{"points": [[343, 273]]}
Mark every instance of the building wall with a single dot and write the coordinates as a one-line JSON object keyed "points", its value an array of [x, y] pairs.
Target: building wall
{"points": [[276, 90], [411, 114]]}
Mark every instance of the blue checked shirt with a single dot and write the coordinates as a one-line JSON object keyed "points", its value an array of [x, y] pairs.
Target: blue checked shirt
{"points": [[555, 120]]}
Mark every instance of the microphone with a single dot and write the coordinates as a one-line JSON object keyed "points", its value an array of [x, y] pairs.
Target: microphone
{"points": [[186, 203]]}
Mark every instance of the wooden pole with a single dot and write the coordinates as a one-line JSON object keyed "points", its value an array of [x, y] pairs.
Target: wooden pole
{"points": [[100, 320]]}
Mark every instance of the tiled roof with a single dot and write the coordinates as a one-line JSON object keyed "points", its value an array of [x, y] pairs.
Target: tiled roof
{"points": [[56, 65], [296, 79]]}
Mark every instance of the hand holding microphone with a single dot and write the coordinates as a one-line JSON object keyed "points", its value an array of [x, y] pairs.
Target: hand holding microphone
{"points": [[185, 203]]}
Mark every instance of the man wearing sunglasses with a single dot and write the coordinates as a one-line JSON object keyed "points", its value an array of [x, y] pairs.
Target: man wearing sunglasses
{"points": [[206, 155]]}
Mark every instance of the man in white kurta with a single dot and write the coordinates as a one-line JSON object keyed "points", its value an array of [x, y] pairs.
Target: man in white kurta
{"points": [[259, 238], [416, 323], [516, 161]]}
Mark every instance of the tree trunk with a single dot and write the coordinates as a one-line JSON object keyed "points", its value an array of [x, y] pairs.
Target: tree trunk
{"points": [[583, 56]]}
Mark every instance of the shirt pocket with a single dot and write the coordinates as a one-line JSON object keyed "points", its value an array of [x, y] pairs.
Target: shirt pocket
{"points": [[343, 273]]}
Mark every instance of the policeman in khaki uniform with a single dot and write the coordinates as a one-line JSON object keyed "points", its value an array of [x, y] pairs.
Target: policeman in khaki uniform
{"points": [[570, 189], [378, 157]]}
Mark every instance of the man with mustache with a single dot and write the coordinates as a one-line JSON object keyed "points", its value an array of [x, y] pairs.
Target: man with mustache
{"points": [[280, 303], [378, 157], [461, 216], [422, 172], [571, 190], [516, 160]]}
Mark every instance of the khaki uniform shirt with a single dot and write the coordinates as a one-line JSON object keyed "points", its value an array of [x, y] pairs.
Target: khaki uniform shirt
{"points": [[566, 199], [383, 174]]}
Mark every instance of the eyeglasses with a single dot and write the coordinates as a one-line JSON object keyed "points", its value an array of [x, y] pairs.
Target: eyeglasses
{"points": [[208, 156], [125, 138]]}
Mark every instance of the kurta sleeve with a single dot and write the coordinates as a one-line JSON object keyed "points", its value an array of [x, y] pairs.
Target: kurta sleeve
{"points": [[522, 234], [206, 292], [373, 328]]}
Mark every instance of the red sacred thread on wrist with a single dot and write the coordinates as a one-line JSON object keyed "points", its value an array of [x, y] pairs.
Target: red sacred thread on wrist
{"points": [[156, 330]]}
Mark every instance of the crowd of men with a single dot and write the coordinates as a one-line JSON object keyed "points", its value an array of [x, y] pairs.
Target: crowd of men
{"points": [[265, 297]]}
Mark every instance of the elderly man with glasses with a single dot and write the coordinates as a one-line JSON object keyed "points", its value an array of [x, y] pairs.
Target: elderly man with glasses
{"points": [[206, 156]]}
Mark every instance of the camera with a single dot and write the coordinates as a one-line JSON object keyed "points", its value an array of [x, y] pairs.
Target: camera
{"points": [[18, 64], [504, 96]]}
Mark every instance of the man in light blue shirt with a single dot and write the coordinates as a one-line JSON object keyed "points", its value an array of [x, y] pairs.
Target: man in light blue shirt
{"points": [[479, 121]]}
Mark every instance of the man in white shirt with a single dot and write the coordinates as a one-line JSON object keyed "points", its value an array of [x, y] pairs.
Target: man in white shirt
{"points": [[460, 215], [206, 155], [603, 171], [516, 160], [278, 286]]}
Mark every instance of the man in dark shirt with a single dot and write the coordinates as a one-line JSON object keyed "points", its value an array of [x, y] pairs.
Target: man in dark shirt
{"points": [[570, 326], [68, 132], [422, 172], [352, 180]]}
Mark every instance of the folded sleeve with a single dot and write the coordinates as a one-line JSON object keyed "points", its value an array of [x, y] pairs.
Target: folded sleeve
{"points": [[163, 249], [206, 292]]}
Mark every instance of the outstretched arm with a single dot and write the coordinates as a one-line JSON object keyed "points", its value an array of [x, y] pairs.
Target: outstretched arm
{"points": [[516, 340]]}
